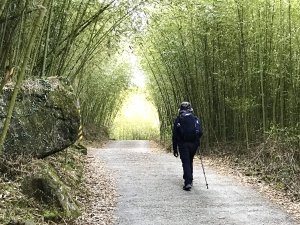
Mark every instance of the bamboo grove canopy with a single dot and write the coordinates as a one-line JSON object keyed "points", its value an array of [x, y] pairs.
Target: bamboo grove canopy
{"points": [[77, 40], [237, 61]]}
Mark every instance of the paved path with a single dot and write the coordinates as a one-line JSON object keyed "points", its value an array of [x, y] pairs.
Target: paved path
{"points": [[150, 188]]}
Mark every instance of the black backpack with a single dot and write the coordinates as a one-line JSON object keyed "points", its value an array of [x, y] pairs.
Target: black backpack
{"points": [[188, 123]]}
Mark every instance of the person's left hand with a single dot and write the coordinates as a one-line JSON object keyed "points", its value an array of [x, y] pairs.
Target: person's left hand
{"points": [[175, 153]]}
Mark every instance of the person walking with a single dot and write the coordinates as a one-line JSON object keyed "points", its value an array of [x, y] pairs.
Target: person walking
{"points": [[187, 131]]}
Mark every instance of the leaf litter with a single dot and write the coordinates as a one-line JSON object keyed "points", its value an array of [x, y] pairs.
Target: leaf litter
{"points": [[100, 199]]}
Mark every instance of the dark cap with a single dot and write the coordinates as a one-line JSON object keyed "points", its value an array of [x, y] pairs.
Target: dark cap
{"points": [[185, 106]]}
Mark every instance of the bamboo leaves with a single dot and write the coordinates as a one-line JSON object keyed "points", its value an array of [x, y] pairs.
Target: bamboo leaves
{"points": [[76, 40], [234, 60]]}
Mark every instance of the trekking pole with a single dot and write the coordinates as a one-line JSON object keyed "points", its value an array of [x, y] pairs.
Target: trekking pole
{"points": [[203, 169]]}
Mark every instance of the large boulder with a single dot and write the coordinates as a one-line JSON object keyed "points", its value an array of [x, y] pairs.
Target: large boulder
{"points": [[45, 119]]}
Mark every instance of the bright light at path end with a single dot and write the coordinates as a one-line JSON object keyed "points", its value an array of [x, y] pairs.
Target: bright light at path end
{"points": [[138, 78], [139, 109], [137, 119]]}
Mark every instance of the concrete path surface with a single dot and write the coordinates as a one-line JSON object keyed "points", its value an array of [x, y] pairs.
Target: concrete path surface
{"points": [[150, 187]]}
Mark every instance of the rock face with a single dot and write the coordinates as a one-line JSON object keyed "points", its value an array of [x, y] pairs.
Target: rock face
{"points": [[45, 118]]}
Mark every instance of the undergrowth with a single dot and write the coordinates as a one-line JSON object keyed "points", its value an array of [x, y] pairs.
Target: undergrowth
{"points": [[17, 207], [275, 161]]}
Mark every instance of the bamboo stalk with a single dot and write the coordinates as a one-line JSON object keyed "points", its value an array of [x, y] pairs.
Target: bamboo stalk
{"points": [[11, 105], [2, 6]]}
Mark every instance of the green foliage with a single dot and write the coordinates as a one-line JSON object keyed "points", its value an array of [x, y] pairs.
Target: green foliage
{"points": [[78, 40], [241, 104], [101, 91], [236, 61], [52, 215], [137, 130]]}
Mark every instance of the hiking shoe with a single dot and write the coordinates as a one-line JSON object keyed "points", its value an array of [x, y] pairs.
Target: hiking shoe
{"points": [[187, 187]]}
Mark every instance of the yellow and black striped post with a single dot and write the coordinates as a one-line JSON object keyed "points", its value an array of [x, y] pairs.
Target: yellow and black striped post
{"points": [[80, 131]]}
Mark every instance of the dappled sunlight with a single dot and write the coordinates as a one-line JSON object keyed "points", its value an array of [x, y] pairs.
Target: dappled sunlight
{"points": [[137, 119]]}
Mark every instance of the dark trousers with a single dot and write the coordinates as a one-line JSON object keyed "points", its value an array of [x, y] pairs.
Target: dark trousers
{"points": [[187, 152]]}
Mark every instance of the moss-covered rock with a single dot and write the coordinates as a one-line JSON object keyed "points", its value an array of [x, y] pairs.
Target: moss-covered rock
{"points": [[45, 120], [46, 186]]}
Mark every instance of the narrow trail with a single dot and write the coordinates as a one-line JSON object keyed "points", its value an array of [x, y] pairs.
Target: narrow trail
{"points": [[149, 184]]}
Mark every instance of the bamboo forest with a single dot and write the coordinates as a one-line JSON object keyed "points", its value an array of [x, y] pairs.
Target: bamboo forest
{"points": [[94, 71]]}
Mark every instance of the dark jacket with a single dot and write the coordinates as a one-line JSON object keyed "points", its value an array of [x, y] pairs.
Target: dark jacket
{"points": [[176, 135]]}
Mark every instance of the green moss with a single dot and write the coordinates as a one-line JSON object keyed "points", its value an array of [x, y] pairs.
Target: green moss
{"points": [[61, 101], [52, 214], [65, 168]]}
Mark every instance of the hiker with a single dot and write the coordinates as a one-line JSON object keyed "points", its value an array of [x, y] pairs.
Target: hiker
{"points": [[187, 131]]}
